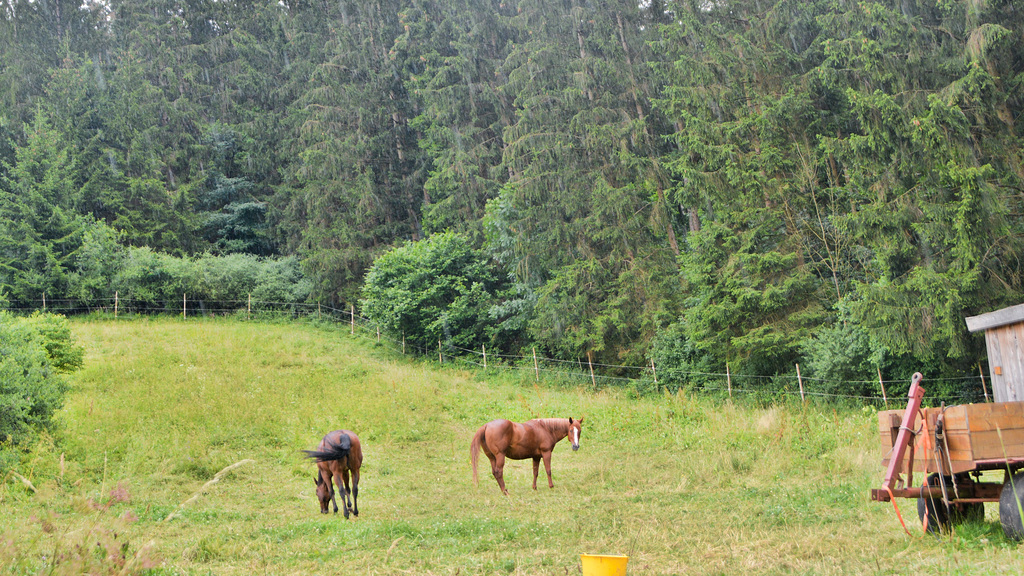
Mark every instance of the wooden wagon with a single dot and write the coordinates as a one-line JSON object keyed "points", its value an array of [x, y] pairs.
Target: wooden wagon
{"points": [[952, 446]]}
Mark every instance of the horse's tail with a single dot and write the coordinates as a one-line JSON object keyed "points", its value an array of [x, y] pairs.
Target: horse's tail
{"points": [[474, 451], [331, 450]]}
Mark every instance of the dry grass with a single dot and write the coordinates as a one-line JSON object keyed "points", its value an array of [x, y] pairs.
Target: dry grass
{"points": [[684, 485]]}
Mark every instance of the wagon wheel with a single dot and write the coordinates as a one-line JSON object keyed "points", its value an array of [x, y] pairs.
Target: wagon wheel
{"points": [[1011, 500], [933, 507]]}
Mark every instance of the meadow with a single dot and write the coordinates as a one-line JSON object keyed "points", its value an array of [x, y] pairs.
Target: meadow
{"points": [[682, 483]]}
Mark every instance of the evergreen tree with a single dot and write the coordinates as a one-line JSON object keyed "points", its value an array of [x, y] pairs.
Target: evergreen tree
{"points": [[829, 154], [925, 200], [451, 51], [745, 170], [39, 230], [350, 192], [580, 220]]}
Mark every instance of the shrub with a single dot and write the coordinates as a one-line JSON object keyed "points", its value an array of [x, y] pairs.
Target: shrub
{"points": [[842, 359], [281, 280], [145, 276], [35, 353], [156, 279], [680, 364], [64, 355], [229, 278], [435, 289]]}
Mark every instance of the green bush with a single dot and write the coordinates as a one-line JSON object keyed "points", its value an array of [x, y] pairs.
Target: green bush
{"points": [[680, 364], [145, 276], [64, 355], [842, 358], [435, 289], [281, 280], [159, 280], [229, 278], [35, 353]]}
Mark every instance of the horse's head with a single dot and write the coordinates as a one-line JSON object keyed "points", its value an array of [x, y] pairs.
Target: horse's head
{"points": [[324, 492], [575, 431]]}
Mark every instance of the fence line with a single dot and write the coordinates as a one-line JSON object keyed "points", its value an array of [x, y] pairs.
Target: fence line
{"points": [[458, 355]]}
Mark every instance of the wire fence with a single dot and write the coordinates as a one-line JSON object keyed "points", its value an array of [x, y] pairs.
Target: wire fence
{"points": [[583, 371]]}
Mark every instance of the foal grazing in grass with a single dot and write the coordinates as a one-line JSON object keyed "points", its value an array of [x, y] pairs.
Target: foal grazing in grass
{"points": [[535, 439], [336, 455]]}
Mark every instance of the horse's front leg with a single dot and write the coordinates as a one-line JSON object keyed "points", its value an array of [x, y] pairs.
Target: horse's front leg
{"points": [[498, 469], [547, 467], [330, 486], [344, 493], [536, 469]]}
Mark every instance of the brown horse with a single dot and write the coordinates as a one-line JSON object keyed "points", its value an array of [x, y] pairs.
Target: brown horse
{"points": [[336, 455], [535, 439]]}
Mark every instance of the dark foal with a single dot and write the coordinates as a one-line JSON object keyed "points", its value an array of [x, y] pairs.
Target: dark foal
{"points": [[500, 439], [337, 454]]}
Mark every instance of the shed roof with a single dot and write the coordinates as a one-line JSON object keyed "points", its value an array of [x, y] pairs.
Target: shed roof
{"points": [[1011, 315]]}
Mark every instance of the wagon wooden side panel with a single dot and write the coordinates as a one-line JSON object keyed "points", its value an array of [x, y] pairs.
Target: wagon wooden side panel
{"points": [[996, 430], [976, 437]]}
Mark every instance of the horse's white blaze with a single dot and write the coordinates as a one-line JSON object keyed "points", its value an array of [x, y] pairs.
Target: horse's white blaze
{"points": [[576, 436]]}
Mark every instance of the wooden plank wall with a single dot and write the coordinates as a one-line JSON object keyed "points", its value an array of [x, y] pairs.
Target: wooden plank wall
{"points": [[1006, 361]]}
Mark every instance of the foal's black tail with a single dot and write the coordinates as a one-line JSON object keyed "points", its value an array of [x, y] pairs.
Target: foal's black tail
{"points": [[332, 451]]}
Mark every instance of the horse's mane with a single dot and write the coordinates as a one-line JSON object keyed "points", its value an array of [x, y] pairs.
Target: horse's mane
{"points": [[554, 424]]}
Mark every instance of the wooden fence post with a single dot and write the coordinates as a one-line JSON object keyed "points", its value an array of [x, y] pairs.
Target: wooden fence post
{"points": [[801, 382], [590, 362], [655, 372], [440, 357], [728, 379], [352, 314], [536, 368], [184, 305], [484, 348], [882, 384], [115, 305], [248, 308], [44, 301], [983, 388]]}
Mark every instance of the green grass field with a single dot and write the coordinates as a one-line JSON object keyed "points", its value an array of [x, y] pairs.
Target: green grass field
{"points": [[682, 484]]}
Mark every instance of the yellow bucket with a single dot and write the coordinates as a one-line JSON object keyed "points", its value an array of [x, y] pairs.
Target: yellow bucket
{"points": [[603, 565]]}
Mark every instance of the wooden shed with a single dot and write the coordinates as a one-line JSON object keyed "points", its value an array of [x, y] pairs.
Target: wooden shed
{"points": [[1004, 338]]}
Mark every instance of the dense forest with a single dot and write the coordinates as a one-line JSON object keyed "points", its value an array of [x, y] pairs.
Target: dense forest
{"points": [[699, 182]]}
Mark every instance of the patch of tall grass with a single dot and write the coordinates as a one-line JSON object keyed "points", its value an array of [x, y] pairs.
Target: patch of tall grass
{"points": [[683, 484]]}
